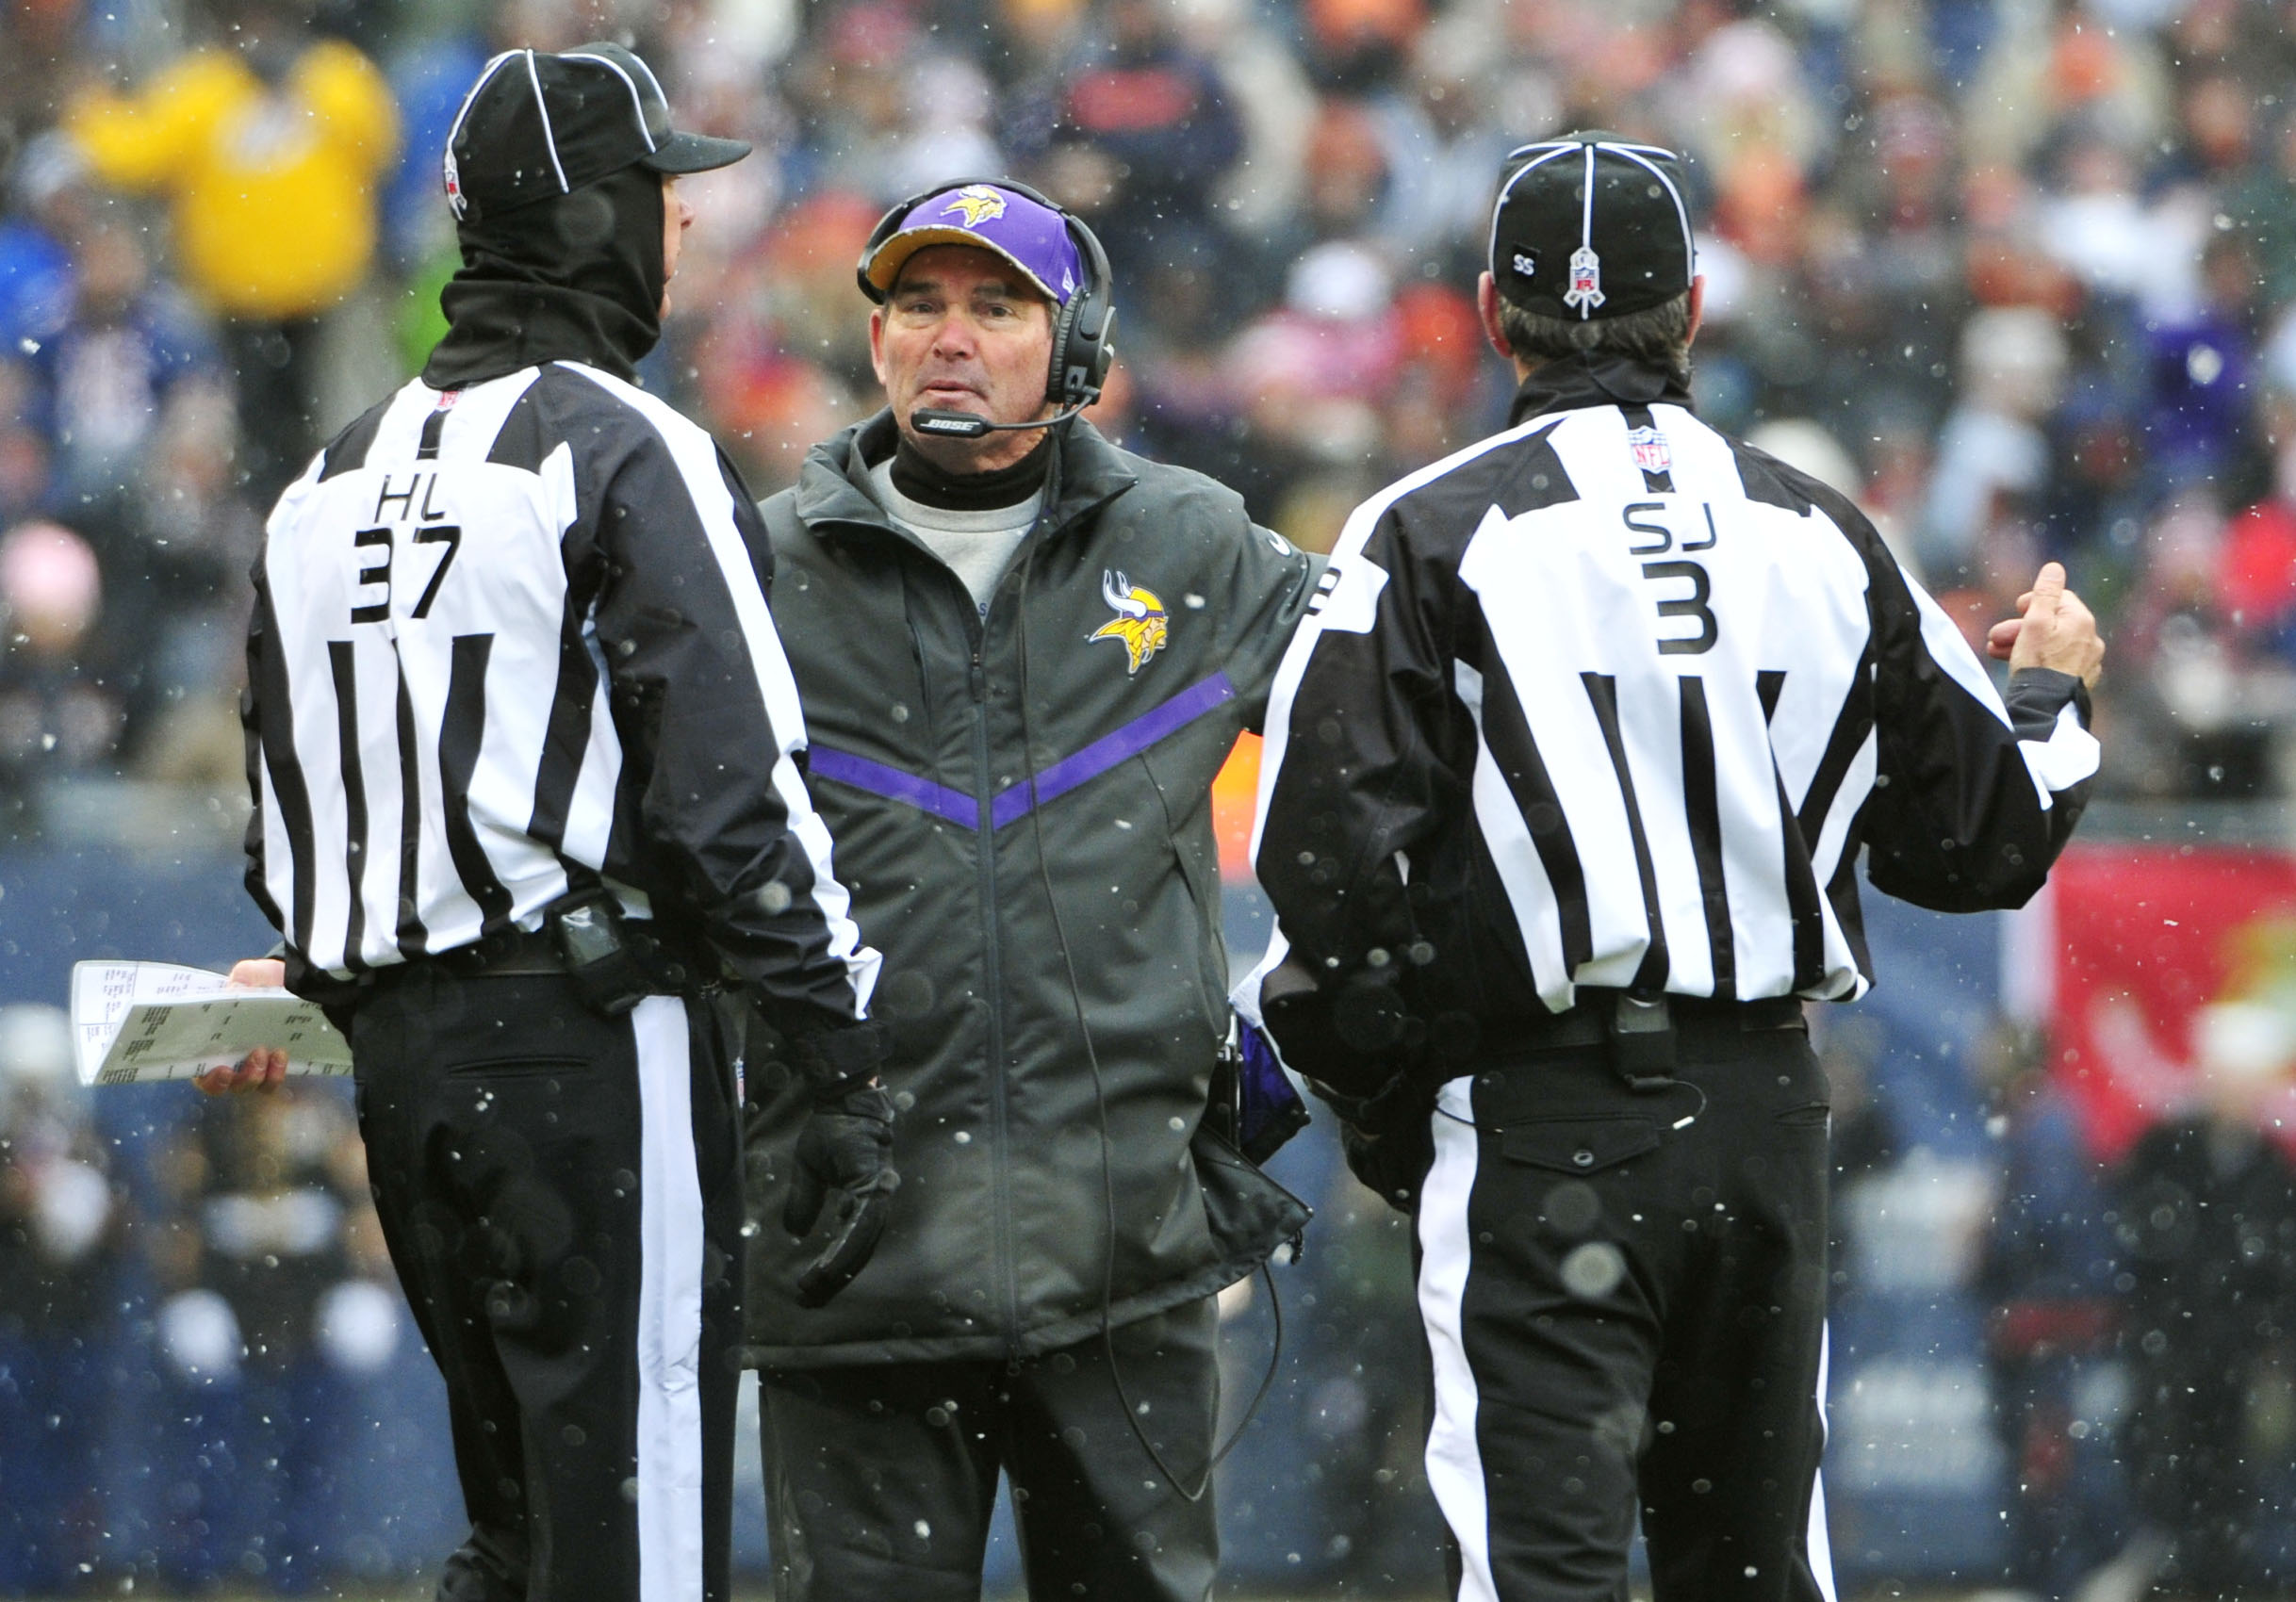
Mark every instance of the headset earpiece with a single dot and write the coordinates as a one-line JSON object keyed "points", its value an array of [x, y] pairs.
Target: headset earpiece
{"points": [[1082, 345]]}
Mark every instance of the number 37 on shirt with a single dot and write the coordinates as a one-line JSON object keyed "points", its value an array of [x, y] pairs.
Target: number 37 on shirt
{"points": [[407, 529]]}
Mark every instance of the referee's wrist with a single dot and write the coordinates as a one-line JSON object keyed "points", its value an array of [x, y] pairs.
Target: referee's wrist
{"points": [[840, 1059], [2045, 690]]}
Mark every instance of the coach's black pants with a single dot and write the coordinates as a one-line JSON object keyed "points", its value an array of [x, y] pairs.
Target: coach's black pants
{"points": [[879, 1479], [562, 1199], [1618, 1309]]}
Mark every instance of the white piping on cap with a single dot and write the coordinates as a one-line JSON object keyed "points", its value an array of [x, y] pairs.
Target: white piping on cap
{"points": [[1491, 252], [1632, 153], [659, 94], [637, 103], [491, 67], [1522, 150], [1586, 233], [549, 137]]}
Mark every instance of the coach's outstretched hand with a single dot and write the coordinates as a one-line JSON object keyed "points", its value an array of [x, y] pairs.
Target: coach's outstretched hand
{"points": [[2057, 632], [844, 1149]]}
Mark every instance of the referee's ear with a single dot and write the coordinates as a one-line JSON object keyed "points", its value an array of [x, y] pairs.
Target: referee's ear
{"points": [[1486, 305], [1698, 308]]}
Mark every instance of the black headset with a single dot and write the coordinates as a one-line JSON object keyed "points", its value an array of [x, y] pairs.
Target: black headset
{"points": [[1082, 346]]}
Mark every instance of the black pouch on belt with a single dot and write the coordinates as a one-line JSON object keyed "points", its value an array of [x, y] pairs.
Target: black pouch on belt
{"points": [[599, 956], [1642, 1040]]}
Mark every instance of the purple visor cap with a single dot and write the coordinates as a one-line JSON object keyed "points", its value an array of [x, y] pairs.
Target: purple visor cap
{"points": [[1032, 238]]}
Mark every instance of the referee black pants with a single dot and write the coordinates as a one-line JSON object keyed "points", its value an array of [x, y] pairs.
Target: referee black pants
{"points": [[879, 1479], [562, 1200], [1621, 1313]]}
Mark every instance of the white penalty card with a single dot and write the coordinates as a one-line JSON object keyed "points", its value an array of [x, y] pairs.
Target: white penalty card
{"points": [[141, 1023]]}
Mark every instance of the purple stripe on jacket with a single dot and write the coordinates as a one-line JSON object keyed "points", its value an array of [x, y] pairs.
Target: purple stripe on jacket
{"points": [[878, 779], [1108, 751]]}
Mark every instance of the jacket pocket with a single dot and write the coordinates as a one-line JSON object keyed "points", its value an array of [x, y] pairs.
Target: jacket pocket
{"points": [[517, 1067], [1247, 1214], [1202, 902], [1579, 1145]]}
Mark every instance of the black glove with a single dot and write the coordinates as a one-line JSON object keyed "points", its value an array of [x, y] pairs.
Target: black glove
{"points": [[1354, 1038], [846, 1148], [1388, 1139]]}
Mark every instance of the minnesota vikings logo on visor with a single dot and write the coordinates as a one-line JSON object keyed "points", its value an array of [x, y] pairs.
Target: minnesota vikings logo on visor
{"points": [[1140, 622], [978, 203]]}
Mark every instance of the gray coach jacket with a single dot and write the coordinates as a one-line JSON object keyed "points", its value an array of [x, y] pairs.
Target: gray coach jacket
{"points": [[1143, 618]]}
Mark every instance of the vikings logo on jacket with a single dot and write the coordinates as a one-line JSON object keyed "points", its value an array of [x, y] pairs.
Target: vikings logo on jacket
{"points": [[1140, 621]]}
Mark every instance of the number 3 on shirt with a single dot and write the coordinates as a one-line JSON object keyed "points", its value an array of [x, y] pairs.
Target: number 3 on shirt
{"points": [[1656, 538]]}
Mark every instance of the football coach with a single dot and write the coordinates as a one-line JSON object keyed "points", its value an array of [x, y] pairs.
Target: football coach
{"points": [[524, 750], [1023, 654], [1565, 786]]}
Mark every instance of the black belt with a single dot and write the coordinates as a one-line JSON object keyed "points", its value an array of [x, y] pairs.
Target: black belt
{"points": [[515, 951], [504, 952], [1588, 1022]]}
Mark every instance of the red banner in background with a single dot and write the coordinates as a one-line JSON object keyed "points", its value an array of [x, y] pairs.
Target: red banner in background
{"points": [[2145, 935]]}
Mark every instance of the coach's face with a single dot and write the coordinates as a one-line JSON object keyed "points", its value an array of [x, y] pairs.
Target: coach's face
{"points": [[962, 331]]}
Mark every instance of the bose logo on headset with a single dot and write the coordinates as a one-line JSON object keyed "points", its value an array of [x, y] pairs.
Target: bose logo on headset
{"points": [[1082, 348]]}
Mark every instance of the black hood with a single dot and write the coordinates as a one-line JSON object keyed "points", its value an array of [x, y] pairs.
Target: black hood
{"points": [[1595, 378], [574, 277]]}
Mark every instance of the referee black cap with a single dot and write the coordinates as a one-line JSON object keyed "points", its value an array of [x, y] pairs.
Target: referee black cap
{"points": [[537, 125], [1591, 226]]}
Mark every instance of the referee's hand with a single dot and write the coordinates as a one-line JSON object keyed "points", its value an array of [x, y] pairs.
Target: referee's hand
{"points": [[265, 1068], [845, 1151], [2057, 631]]}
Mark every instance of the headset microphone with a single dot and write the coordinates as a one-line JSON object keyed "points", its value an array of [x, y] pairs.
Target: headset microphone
{"points": [[964, 425]]}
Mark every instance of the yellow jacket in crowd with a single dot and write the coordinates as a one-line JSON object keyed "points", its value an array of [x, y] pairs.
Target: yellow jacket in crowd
{"points": [[273, 189]]}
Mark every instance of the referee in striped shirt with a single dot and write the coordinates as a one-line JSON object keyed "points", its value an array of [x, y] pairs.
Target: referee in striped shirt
{"points": [[1567, 780], [525, 755]]}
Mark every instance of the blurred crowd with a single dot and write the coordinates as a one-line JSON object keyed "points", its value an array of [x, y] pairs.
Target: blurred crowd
{"points": [[2142, 1322], [189, 1326], [2020, 274]]}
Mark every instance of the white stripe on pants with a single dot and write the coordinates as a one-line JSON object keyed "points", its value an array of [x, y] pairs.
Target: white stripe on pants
{"points": [[1821, 1542], [1455, 1463], [669, 1496]]}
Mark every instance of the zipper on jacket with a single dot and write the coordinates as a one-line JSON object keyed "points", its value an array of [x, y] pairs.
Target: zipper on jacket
{"points": [[992, 982]]}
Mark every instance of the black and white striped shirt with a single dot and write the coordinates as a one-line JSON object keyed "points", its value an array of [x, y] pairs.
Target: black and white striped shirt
{"points": [[509, 641], [1612, 699]]}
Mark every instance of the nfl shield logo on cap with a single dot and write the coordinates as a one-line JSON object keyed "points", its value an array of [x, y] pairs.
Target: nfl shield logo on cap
{"points": [[1585, 290]]}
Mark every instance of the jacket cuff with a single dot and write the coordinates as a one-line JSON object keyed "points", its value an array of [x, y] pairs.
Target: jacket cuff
{"points": [[1349, 1042], [2036, 695], [838, 1058]]}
